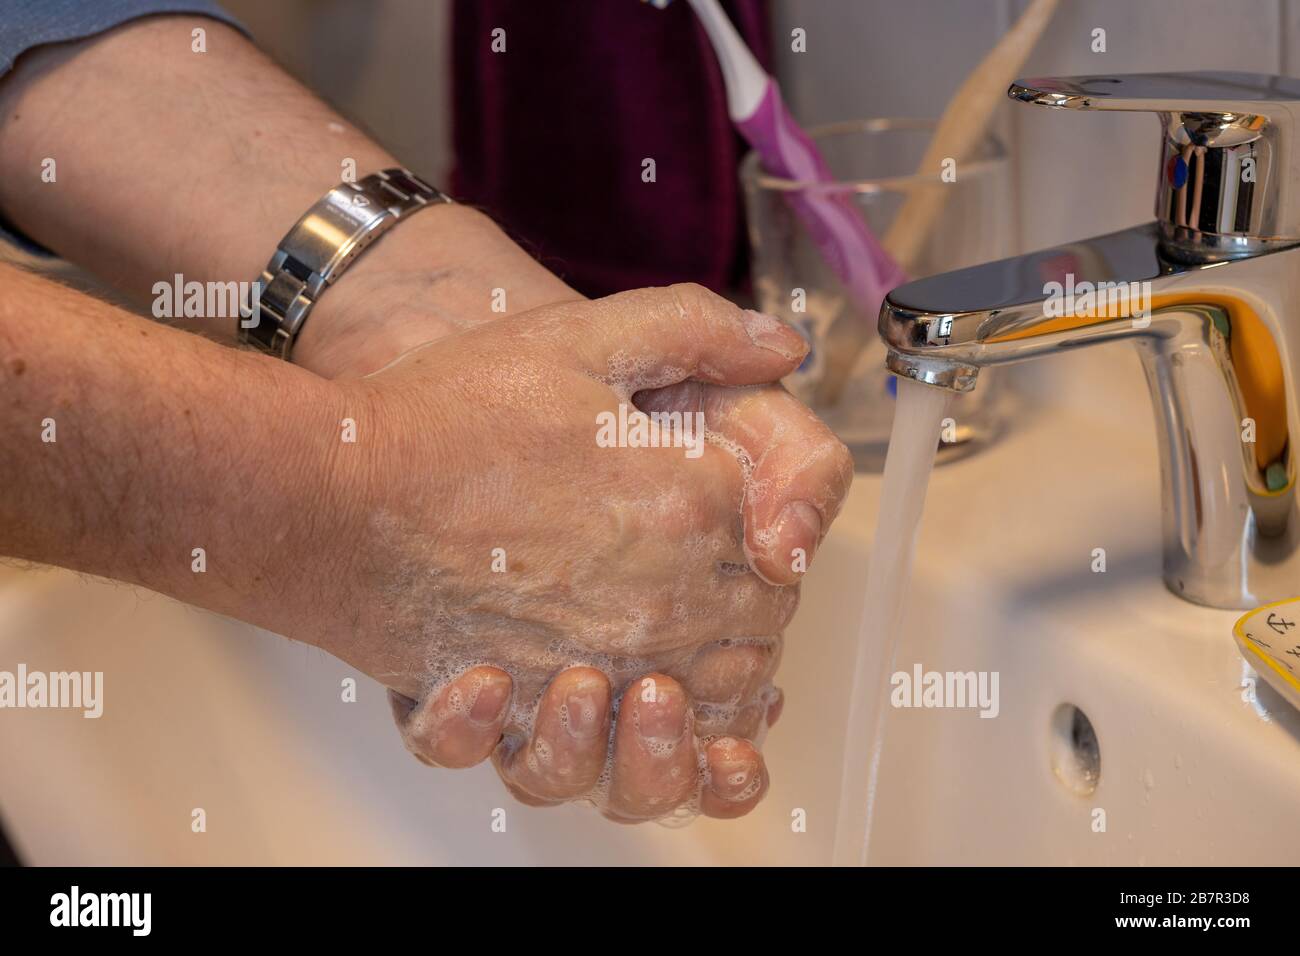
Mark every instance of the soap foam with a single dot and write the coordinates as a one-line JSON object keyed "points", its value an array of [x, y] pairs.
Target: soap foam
{"points": [[532, 653], [532, 673], [628, 374]]}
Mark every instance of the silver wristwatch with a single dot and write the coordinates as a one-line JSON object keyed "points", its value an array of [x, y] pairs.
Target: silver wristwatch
{"points": [[321, 246]]}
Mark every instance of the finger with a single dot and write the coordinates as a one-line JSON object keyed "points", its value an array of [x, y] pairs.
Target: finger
{"points": [[731, 670], [736, 778], [707, 490], [647, 338], [459, 726], [655, 765], [777, 705], [744, 721], [737, 602], [725, 681], [718, 478], [797, 472], [565, 754], [750, 608], [526, 798], [799, 475], [712, 592]]}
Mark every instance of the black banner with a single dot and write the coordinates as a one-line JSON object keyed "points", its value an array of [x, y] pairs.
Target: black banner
{"points": [[331, 905]]}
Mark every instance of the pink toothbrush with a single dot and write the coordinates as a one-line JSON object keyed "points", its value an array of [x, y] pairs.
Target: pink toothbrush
{"points": [[754, 103]]}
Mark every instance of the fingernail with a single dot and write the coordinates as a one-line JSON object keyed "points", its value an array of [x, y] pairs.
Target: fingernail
{"points": [[733, 773], [585, 706], [661, 715], [769, 332], [798, 527], [490, 704]]}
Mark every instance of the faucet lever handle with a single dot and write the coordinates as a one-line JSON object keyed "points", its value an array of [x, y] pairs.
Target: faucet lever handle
{"points": [[1227, 170]]}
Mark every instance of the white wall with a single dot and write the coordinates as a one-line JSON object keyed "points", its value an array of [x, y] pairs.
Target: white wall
{"points": [[383, 63], [386, 62], [1079, 173]]}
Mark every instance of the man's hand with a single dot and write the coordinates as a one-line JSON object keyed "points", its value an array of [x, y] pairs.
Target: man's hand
{"points": [[493, 527], [226, 152], [397, 303], [443, 270]]}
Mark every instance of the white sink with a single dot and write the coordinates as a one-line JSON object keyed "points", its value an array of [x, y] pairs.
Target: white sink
{"points": [[1194, 767], [204, 712]]}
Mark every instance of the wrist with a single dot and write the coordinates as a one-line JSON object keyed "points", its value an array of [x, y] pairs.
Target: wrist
{"points": [[447, 268], [375, 498], [301, 512]]}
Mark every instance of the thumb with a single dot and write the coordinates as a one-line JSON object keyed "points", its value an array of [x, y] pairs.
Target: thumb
{"points": [[648, 338]]}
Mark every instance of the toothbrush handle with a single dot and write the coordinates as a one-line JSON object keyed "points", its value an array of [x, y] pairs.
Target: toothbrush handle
{"points": [[853, 253]]}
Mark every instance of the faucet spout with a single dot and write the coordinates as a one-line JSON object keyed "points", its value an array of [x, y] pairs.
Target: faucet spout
{"points": [[941, 330], [1208, 293], [934, 370], [1219, 366]]}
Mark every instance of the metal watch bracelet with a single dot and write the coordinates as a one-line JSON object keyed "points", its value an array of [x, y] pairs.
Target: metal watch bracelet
{"points": [[320, 247]]}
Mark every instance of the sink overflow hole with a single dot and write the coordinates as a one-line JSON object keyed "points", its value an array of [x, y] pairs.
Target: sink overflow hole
{"points": [[1076, 754]]}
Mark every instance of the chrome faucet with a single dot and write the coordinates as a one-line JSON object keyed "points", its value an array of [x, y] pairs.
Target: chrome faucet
{"points": [[1209, 293]]}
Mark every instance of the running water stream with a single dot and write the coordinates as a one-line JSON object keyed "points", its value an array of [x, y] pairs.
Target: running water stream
{"points": [[913, 442]]}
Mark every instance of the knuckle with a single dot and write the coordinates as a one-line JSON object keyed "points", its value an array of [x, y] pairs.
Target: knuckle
{"points": [[748, 719], [413, 730], [842, 463], [787, 602], [729, 671], [522, 794], [691, 299]]}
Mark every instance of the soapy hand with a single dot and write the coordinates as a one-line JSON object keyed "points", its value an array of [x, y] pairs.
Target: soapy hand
{"points": [[411, 556], [497, 534]]}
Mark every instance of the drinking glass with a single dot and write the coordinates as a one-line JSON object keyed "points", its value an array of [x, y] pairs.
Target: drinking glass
{"points": [[874, 168]]}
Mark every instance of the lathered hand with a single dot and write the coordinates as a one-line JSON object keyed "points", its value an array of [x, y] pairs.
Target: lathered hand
{"points": [[514, 578]]}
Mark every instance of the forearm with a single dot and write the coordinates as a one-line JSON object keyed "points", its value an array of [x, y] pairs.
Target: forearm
{"points": [[127, 445], [170, 161], [167, 160]]}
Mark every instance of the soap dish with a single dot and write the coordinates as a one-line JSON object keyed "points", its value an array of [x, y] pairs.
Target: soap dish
{"points": [[1269, 638]]}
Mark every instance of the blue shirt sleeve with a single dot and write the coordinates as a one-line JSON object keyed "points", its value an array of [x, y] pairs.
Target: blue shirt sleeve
{"points": [[25, 24]]}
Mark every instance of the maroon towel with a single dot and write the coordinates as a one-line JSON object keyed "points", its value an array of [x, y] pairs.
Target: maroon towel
{"points": [[550, 137]]}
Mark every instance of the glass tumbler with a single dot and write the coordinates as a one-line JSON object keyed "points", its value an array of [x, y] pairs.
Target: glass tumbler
{"points": [[874, 163]]}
